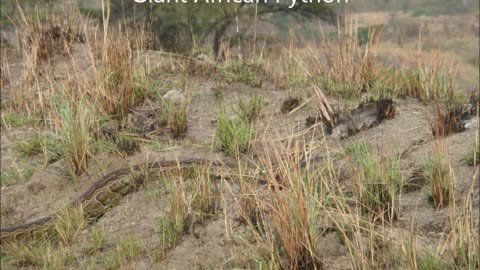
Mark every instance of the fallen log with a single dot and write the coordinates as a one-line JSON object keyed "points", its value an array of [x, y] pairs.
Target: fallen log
{"points": [[367, 115]]}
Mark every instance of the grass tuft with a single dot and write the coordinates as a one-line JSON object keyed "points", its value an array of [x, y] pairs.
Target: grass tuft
{"points": [[12, 176], [115, 78], [377, 182], [176, 116], [69, 223], [127, 145], [205, 195], [249, 111], [239, 71], [124, 254], [235, 136], [74, 132], [473, 157], [430, 261], [437, 173], [99, 243]]}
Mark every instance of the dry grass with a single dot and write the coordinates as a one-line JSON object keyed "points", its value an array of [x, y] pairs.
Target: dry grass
{"points": [[439, 179], [49, 248], [348, 67], [463, 237], [176, 117], [305, 198], [101, 84], [115, 89], [74, 124], [376, 182], [446, 120], [50, 33], [286, 230], [428, 82]]}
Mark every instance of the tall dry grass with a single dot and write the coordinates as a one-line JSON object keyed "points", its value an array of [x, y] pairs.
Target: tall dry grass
{"points": [[100, 81]]}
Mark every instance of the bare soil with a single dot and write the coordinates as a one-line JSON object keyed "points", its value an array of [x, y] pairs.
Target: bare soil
{"points": [[216, 243]]}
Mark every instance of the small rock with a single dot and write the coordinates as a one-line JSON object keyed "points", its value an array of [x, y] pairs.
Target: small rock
{"points": [[470, 123], [174, 96]]}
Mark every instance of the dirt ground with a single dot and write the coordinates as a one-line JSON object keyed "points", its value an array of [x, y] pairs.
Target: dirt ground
{"points": [[216, 244]]}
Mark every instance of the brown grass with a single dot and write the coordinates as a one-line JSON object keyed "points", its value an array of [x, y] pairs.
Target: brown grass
{"points": [[304, 199]]}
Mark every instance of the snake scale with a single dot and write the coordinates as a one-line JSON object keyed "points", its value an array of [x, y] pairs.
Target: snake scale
{"points": [[101, 194]]}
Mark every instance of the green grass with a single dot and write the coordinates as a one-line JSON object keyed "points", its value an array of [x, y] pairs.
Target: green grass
{"points": [[12, 120], [430, 261], [343, 89], [170, 232], [12, 176], [473, 156], [38, 144], [145, 86], [48, 248], [297, 81], [205, 195], [176, 117], [69, 223], [31, 146], [124, 254], [435, 82], [249, 111], [99, 241], [358, 149], [436, 171], [39, 254], [285, 226], [466, 254], [376, 181], [170, 228], [126, 144], [379, 89], [237, 71], [75, 135], [235, 136]]}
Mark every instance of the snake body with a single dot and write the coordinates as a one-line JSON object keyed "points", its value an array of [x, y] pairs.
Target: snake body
{"points": [[100, 195]]}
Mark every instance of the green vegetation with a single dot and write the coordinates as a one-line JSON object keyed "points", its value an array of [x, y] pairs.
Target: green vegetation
{"points": [[180, 27], [473, 157], [69, 223], [170, 228], [206, 195], [40, 254], [12, 176], [286, 226], [438, 175], [429, 261], [99, 241], [419, 7], [75, 135], [292, 195], [31, 146], [235, 136], [48, 248], [249, 111], [11, 119], [41, 144], [377, 181], [176, 116], [124, 253], [242, 72], [127, 145]]}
